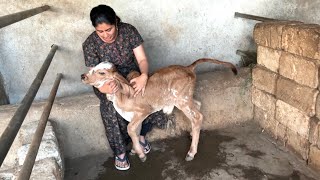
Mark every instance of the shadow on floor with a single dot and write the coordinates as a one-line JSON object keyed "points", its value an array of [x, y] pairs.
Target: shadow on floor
{"points": [[240, 152]]}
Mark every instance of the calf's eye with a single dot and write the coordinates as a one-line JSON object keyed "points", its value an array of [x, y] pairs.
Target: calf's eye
{"points": [[102, 73]]}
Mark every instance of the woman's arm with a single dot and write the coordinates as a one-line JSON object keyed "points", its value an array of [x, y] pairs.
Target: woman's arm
{"points": [[139, 83], [141, 59]]}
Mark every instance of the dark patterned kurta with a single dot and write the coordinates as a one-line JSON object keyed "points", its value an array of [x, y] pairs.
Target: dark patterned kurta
{"points": [[120, 53]]}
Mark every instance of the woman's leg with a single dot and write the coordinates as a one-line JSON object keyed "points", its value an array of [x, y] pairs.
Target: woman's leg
{"points": [[116, 128], [116, 132], [159, 119], [146, 127]]}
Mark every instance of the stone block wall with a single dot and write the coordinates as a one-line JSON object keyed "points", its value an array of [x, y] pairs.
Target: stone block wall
{"points": [[285, 85]]}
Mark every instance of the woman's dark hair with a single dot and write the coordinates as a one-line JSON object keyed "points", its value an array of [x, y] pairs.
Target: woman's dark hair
{"points": [[103, 14]]}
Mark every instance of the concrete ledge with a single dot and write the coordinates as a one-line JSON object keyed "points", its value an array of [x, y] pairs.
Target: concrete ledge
{"points": [[44, 169], [49, 163]]}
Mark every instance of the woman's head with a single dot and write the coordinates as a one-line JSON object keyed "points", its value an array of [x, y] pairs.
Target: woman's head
{"points": [[105, 21], [103, 14]]}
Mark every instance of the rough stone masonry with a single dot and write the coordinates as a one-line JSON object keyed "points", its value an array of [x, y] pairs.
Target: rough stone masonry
{"points": [[286, 85]]}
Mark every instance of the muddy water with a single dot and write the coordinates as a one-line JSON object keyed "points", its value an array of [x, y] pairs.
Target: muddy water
{"points": [[220, 156], [167, 160]]}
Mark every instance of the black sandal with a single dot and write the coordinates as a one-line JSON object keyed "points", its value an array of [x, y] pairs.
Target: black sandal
{"points": [[125, 159], [146, 148]]}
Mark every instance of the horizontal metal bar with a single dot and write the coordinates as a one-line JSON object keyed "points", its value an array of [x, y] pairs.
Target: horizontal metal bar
{"points": [[241, 53], [12, 18], [252, 17], [28, 163], [16, 121]]}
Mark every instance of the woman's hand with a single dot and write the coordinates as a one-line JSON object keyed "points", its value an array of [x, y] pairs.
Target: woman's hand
{"points": [[109, 87], [139, 84]]}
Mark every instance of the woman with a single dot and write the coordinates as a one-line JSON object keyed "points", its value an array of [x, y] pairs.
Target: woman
{"points": [[121, 44]]}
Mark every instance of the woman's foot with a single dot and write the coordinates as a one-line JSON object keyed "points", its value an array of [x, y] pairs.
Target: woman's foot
{"points": [[145, 146], [121, 162]]}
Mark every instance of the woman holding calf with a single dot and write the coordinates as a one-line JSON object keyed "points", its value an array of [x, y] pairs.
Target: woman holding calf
{"points": [[121, 44]]}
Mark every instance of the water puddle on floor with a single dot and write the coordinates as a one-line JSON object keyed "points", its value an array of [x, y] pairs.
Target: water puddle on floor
{"points": [[220, 156]]}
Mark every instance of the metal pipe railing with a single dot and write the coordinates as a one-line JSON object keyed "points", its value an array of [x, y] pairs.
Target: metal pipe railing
{"points": [[16, 121], [252, 17], [12, 18], [28, 163]]}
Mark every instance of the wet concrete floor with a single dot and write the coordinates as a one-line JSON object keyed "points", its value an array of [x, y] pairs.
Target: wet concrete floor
{"points": [[239, 152]]}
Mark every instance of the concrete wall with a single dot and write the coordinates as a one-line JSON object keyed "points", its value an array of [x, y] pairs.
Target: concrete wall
{"points": [[175, 32]]}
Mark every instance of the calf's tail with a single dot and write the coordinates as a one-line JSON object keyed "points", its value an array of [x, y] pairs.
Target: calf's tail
{"points": [[202, 60]]}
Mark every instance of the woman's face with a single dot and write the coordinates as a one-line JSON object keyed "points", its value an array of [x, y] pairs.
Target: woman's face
{"points": [[106, 32]]}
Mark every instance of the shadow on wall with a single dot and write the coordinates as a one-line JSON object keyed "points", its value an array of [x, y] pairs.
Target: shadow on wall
{"points": [[3, 96]]}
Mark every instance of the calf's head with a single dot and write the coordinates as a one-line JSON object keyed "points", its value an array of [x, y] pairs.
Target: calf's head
{"points": [[98, 75]]}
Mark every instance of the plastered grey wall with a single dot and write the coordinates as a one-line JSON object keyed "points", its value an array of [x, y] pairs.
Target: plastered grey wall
{"points": [[175, 32]]}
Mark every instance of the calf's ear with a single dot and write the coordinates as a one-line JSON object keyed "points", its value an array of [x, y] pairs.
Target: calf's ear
{"points": [[112, 69]]}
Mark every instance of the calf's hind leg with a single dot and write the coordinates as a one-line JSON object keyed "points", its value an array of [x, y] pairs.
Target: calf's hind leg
{"points": [[194, 115]]}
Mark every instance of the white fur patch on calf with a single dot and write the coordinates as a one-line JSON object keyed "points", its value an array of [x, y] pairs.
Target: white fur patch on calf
{"points": [[174, 92], [126, 115], [168, 109], [99, 84], [102, 65]]}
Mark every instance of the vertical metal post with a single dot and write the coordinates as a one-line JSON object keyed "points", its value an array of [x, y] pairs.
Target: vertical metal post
{"points": [[16, 121], [28, 163], [12, 18]]}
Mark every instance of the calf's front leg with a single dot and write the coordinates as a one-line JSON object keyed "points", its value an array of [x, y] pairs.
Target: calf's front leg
{"points": [[134, 128]]}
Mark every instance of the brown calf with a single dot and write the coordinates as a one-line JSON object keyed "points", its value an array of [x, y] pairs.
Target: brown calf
{"points": [[167, 88]]}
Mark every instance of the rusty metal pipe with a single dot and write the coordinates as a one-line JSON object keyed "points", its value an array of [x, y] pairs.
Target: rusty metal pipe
{"points": [[16, 121], [28, 163], [252, 17], [12, 18]]}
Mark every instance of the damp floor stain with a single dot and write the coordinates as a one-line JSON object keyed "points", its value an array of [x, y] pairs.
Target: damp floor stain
{"points": [[235, 153], [168, 159]]}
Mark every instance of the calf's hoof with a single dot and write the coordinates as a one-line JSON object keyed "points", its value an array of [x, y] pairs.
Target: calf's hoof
{"points": [[143, 159], [189, 157]]}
